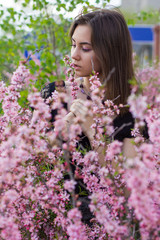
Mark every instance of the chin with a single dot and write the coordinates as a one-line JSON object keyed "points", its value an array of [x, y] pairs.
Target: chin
{"points": [[78, 74]]}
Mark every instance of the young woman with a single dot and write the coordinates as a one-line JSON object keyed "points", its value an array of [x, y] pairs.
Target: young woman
{"points": [[101, 40]]}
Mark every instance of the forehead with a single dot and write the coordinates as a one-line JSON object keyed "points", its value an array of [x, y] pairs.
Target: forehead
{"points": [[82, 33]]}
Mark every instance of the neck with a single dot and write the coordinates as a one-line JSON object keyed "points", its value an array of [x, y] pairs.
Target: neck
{"points": [[86, 83]]}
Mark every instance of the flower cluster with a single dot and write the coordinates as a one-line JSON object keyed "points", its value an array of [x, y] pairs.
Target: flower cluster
{"points": [[47, 180]]}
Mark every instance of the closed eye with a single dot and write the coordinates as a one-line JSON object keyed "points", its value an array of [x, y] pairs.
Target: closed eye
{"points": [[83, 48], [86, 49], [73, 45]]}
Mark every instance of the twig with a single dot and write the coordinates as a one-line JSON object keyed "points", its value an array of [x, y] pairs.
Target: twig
{"points": [[108, 77], [119, 129], [67, 157]]}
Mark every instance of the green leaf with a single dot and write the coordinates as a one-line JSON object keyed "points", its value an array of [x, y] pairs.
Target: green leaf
{"points": [[23, 101], [131, 22], [1, 109]]}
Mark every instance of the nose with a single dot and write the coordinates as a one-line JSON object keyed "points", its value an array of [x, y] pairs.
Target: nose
{"points": [[75, 54]]}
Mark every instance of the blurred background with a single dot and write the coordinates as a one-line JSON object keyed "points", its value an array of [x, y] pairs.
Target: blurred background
{"points": [[37, 30]]}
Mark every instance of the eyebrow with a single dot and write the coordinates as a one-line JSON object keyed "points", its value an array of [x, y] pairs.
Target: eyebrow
{"points": [[82, 43]]}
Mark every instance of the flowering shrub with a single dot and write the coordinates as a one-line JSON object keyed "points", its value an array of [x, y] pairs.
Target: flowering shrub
{"points": [[37, 184]]}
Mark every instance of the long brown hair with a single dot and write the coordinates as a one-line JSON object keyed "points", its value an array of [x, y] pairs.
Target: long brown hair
{"points": [[111, 42]]}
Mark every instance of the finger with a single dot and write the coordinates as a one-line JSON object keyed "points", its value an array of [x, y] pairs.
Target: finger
{"points": [[78, 101], [79, 106], [78, 111]]}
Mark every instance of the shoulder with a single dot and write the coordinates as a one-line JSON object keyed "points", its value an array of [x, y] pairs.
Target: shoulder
{"points": [[47, 90], [123, 125]]}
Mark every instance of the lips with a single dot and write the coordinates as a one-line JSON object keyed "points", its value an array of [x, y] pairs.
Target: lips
{"points": [[77, 66]]}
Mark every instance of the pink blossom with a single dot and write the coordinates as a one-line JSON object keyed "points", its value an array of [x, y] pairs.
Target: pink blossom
{"points": [[154, 131], [11, 231], [36, 156], [21, 76], [69, 185], [113, 149], [138, 105], [74, 215], [76, 230]]}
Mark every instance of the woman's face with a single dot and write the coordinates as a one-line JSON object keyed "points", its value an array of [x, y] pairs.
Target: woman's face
{"points": [[82, 53]]}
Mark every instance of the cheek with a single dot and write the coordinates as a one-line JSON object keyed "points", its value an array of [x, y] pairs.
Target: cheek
{"points": [[97, 66]]}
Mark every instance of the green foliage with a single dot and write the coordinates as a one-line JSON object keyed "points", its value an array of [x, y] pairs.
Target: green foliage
{"points": [[143, 17], [36, 27], [1, 109], [23, 102]]}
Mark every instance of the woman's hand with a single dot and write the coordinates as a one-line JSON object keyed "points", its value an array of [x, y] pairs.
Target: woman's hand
{"points": [[80, 110], [81, 93]]}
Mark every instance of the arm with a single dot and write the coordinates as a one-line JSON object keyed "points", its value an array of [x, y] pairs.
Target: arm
{"points": [[81, 111], [128, 148]]}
